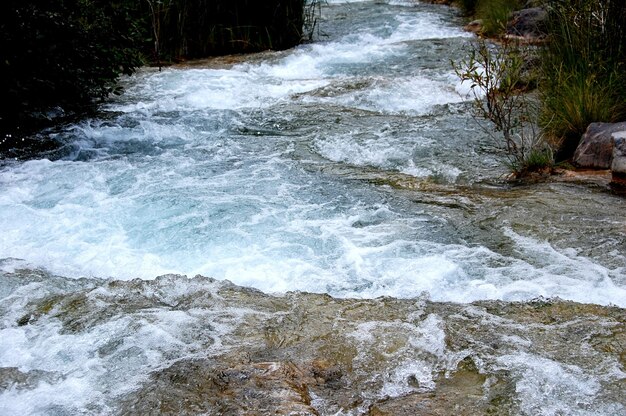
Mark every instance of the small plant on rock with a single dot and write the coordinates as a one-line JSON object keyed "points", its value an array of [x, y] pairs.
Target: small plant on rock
{"points": [[496, 74]]}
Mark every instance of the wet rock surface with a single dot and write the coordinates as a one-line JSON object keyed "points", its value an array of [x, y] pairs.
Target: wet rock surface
{"points": [[14, 378], [475, 26], [223, 349]]}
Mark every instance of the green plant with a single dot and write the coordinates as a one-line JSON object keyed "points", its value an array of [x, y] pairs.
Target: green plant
{"points": [[495, 15], [571, 103], [584, 68], [312, 13], [184, 29], [62, 56], [538, 159], [494, 72]]}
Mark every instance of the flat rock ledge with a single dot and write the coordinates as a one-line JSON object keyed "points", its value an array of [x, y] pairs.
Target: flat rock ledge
{"points": [[312, 354]]}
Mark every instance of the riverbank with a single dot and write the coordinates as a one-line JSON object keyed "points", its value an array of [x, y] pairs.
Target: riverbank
{"points": [[576, 70], [60, 60]]}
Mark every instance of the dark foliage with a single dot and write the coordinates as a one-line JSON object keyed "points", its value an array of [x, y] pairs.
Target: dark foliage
{"points": [[198, 28], [468, 7], [63, 54]]}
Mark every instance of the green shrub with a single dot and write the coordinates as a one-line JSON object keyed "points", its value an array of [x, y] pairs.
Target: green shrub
{"points": [[537, 160], [495, 72], [63, 53], [584, 69], [61, 56], [198, 28], [571, 101], [495, 14]]}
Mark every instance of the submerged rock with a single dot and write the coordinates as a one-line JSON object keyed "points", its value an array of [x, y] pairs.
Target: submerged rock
{"points": [[400, 357], [13, 378], [595, 150], [216, 388]]}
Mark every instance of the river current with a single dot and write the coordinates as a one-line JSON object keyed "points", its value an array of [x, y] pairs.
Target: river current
{"points": [[350, 166]]}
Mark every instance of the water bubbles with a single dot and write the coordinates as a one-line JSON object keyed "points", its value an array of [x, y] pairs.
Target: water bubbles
{"points": [[333, 167]]}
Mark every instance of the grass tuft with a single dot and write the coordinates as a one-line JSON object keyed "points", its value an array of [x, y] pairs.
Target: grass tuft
{"points": [[538, 160], [584, 69], [494, 15]]}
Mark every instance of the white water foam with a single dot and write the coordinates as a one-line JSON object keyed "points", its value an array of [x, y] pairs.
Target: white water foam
{"points": [[550, 388], [406, 96], [76, 225], [88, 368], [176, 184], [412, 352], [385, 150], [305, 69], [173, 186]]}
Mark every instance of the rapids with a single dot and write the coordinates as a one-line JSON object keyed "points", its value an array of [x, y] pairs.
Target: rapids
{"points": [[349, 167]]}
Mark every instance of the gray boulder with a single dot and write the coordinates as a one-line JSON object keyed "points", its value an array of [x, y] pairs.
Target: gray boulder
{"points": [[618, 166], [595, 150], [528, 23]]}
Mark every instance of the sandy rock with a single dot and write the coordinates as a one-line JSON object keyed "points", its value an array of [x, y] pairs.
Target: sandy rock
{"points": [[193, 387], [460, 393], [310, 354]]}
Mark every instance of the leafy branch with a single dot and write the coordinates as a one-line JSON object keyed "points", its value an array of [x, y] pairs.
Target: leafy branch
{"points": [[496, 77]]}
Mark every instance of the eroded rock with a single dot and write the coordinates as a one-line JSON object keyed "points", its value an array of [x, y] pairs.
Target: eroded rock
{"points": [[182, 346], [14, 378], [595, 150], [400, 357], [202, 386], [475, 26]]}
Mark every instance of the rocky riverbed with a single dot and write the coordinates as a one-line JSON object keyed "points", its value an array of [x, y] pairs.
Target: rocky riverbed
{"points": [[200, 346]]}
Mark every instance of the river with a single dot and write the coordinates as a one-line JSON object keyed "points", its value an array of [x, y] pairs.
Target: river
{"points": [[350, 166]]}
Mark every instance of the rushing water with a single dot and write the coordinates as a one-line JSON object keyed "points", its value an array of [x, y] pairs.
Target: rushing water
{"points": [[349, 166]]}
